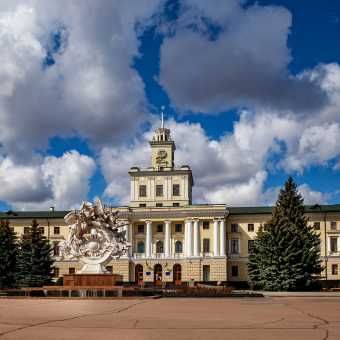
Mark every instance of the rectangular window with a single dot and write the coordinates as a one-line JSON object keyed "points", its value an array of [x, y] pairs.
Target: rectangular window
{"points": [[42, 230], [159, 228], [56, 230], [334, 269], [334, 244], [159, 190], [206, 245], [205, 224], [142, 205], [175, 190], [178, 228], [72, 270], [316, 225], [250, 246], [234, 246], [26, 230], [234, 227], [56, 249], [333, 225], [140, 228], [176, 204], [251, 227], [234, 270], [55, 271], [142, 190], [159, 205]]}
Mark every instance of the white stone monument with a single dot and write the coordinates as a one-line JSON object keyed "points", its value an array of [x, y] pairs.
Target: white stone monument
{"points": [[95, 237]]}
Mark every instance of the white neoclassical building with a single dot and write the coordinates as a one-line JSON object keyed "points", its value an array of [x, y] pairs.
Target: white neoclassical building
{"points": [[175, 241]]}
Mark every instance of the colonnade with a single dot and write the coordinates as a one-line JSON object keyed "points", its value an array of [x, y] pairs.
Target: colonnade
{"points": [[192, 238]]}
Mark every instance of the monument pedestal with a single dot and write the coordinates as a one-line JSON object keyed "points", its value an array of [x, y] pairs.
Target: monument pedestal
{"points": [[91, 279]]}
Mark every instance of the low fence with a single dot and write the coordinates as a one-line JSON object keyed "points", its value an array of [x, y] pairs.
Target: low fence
{"points": [[200, 290]]}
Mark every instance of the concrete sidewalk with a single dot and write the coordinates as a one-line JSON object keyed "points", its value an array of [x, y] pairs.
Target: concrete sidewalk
{"points": [[293, 294], [272, 318]]}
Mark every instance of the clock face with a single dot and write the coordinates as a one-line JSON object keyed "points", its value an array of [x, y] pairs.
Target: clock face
{"points": [[161, 156]]}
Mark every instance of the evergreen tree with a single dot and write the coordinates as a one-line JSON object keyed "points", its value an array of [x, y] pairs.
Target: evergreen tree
{"points": [[8, 254], [286, 253], [34, 264]]}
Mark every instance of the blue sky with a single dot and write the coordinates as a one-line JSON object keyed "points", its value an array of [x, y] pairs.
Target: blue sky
{"points": [[249, 89]]}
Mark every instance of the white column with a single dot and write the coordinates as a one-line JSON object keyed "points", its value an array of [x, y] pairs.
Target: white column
{"points": [[328, 245], [216, 239], [196, 238], [188, 240], [185, 238], [167, 237], [128, 237], [222, 238], [148, 239]]}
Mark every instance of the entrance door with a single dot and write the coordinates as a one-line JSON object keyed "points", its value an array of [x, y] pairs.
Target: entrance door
{"points": [[139, 274], [206, 273], [157, 274], [177, 274]]}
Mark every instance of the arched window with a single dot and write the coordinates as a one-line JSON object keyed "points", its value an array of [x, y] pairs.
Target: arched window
{"points": [[178, 247], [140, 247], [159, 247]]}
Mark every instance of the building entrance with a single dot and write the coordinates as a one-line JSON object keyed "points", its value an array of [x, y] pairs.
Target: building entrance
{"points": [[139, 274], [206, 273], [157, 274], [177, 274]]}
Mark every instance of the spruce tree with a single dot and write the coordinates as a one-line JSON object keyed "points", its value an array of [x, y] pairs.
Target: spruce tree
{"points": [[8, 254], [34, 264], [286, 253]]}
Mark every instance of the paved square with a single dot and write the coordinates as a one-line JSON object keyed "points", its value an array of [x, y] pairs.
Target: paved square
{"points": [[171, 318]]}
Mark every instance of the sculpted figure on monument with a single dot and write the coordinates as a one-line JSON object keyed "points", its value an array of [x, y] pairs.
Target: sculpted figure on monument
{"points": [[95, 237]]}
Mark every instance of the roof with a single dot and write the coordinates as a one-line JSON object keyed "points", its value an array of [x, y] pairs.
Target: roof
{"points": [[232, 211], [268, 210], [33, 214]]}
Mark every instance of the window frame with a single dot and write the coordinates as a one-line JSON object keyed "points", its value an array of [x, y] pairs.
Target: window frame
{"points": [[178, 246], [251, 248], [180, 229], [140, 228], [56, 230], [141, 191], [335, 269], [234, 227], [333, 241], [206, 225], [251, 227], [159, 190], [234, 241], [159, 247], [234, 271], [176, 192], [206, 245], [140, 244]]}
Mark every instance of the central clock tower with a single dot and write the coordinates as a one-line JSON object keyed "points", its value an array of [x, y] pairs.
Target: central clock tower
{"points": [[162, 149], [162, 184]]}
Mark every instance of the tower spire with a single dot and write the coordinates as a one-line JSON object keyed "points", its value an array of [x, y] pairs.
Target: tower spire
{"points": [[162, 116]]}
